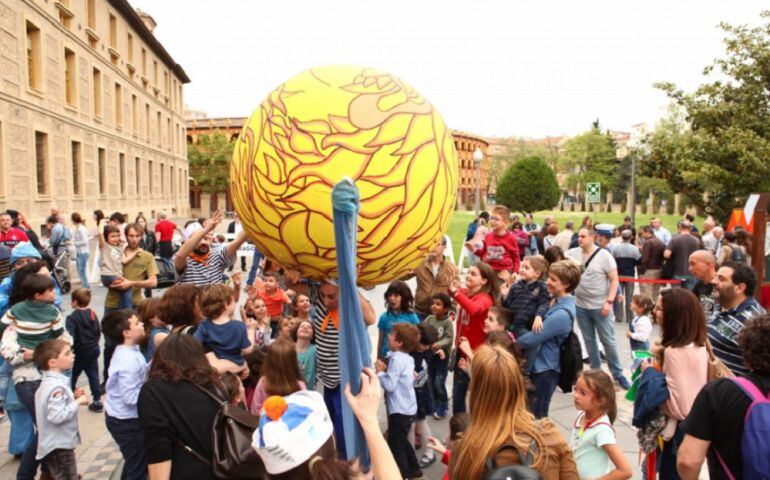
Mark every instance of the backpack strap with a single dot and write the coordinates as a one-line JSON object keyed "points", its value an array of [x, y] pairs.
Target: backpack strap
{"points": [[526, 458], [751, 391]]}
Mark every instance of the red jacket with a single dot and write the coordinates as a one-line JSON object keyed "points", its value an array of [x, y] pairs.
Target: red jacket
{"points": [[473, 312], [501, 252], [445, 460]]}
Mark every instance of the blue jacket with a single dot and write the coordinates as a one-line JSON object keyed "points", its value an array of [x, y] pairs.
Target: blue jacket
{"points": [[556, 326], [650, 394]]}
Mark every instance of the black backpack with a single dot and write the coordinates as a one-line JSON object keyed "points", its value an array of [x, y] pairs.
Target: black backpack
{"points": [[521, 471], [166, 273], [570, 359]]}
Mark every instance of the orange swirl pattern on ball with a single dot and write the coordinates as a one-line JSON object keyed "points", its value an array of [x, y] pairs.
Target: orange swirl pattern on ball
{"points": [[328, 123]]}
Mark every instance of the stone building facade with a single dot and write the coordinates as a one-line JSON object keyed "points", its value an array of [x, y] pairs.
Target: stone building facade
{"points": [[91, 111], [465, 144]]}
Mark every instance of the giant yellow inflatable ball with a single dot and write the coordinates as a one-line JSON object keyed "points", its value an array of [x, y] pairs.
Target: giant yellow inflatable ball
{"points": [[327, 123]]}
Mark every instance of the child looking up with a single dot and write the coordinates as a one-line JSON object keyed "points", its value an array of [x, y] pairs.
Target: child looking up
{"points": [[275, 298], [56, 410], [227, 339], [156, 329], [280, 374], [127, 373], [597, 453], [397, 379], [501, 247], [111, 261], [528, 298], [83, 325], [640, 328], [258, 321], [438, 368], [234, 387], [306, 352], [399, 303]]}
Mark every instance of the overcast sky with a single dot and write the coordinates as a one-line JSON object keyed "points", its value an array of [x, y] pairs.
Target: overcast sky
{"points": [[531, 68]]}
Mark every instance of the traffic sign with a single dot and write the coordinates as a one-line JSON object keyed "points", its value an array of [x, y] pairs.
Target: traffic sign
{"points": [[594, 192]]}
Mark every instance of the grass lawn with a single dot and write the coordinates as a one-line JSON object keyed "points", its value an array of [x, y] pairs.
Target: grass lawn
{"points": [[460, 220]]}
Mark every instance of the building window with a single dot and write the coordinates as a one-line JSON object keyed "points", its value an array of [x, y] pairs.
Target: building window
{"points": [[155, 73], [130, 42], [77, 169], [97, 93], [34, 59], [137, 176], [41, 162], [144, 62], [147, 121], [122, 173], [160, 128], [91, 7], [102, 159], [162, 179], [134, 114], [70, 77], [171, 179], [118, 106], [169, 134], [149, 178], [113, 32]]}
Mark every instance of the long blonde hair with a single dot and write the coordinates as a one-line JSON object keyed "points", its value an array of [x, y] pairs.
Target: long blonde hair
{"points": [[498, 413]]}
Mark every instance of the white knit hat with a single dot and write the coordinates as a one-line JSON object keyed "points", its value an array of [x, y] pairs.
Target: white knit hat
{"points": [[291, 429]]}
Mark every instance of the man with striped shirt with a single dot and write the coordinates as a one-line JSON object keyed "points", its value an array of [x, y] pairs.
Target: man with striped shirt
{"points": [[197, 263], [734, 287]]}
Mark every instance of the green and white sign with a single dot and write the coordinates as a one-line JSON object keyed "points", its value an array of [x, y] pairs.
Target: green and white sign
{"points": [[594, 192]]}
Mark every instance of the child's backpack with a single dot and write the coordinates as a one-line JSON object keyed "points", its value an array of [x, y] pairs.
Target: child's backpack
{"points": [[570, 359], [755, 447], [521, 471]]}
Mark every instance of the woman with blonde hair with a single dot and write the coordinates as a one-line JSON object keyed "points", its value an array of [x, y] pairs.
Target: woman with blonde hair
{"points": [[501, 426]]}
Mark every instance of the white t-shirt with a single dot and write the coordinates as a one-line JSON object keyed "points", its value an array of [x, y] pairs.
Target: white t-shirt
{"points": [[594, 286]]}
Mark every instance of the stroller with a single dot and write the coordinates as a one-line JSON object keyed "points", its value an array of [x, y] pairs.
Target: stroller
{"points": [[61, 270]]}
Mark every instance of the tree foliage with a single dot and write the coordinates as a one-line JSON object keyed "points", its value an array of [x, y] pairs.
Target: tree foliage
{"points": [[591, 157], [528, 185], [519, 148], [715, 146], [209, 161]]}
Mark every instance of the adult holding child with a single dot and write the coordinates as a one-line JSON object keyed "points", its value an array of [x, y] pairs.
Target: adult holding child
{"points": [[139, 272], [197, 263], [594, 298]]}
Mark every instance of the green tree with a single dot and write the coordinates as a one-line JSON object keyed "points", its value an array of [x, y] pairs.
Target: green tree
{"points": [[528, 185], [590, 157], [518, 148], [209, 161], [715, 148]]}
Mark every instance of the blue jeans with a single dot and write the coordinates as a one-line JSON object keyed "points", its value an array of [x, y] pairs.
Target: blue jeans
{"points": [[437, 373], [333, 401], [592, 322], [5, 379], [126, 296], [545, 384], [88, 361], [130, 439], [22, 427], [254, 267], [460, 382], [28, 466], [82, 263]]}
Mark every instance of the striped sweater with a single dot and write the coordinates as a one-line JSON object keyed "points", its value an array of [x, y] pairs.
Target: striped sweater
{"points": [[35, 322]]}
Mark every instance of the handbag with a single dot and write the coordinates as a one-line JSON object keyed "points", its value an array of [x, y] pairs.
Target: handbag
{"points": [[716, 369], [233, 457]]}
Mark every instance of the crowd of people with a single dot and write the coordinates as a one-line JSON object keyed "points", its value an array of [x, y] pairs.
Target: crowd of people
{"points": [[267, 353]]}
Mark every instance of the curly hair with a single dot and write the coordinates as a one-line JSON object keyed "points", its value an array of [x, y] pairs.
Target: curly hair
{"points": [[181, 358], [401, 289], [179, 305], [753, 340]]}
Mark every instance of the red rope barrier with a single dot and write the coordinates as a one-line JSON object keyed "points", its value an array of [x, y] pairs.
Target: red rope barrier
{"points": [[648, 280]]}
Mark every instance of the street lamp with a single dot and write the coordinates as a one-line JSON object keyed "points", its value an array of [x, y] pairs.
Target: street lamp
{"points": [[478, 156]]}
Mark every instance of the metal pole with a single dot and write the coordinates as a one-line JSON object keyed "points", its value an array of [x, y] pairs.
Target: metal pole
{"points": [[478, 188], [632, 203]]}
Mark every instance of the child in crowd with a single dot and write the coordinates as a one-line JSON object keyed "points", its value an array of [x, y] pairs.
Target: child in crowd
{"points": [[256, 317], [640, 328], [234, 387], [286, 327], [438, 369], [399, 303], [397, 380], [423, 356], [85, 330], [501, 248], [56, 410], [306, 353], [155, 329], [280, 374], [111, 261], [528, 298], [498, 321], [127, 373], [34, 320], [227, 339], [254, 361], [457, 425], [275, 298], [593, 439]]}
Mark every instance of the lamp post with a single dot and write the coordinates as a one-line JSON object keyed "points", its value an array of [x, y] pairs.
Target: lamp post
{"points": [[478, 156]]}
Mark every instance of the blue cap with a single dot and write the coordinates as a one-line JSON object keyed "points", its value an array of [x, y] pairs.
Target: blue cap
{"points": [[24, 250], [605, 229]]}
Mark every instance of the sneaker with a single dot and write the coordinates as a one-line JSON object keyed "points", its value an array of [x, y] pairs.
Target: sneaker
{"points": [[427, 459], [622, 381], [96, 407]]}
